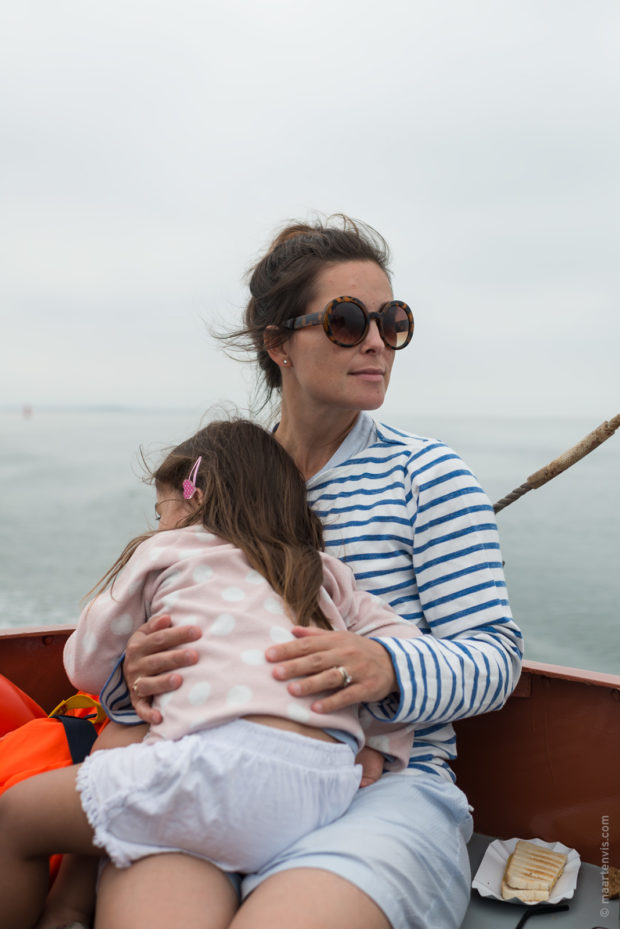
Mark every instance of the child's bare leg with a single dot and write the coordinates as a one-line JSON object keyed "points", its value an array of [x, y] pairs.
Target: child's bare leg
{"points": [[72, 897], [165, 890], [114, 735], [372, 765], [38, 817]]}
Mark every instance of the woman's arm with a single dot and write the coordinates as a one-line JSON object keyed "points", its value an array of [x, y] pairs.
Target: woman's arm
{"points": [[153, 655], [469, 660]]}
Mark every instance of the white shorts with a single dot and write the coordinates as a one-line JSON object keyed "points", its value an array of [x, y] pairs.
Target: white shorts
{"points": [[236, 795]]}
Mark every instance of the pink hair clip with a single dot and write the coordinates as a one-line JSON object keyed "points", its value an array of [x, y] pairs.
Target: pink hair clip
{"points": [[189, 485]]}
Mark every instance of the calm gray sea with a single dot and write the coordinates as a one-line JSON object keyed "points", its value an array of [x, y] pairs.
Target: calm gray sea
{"points": [[71, 497]]}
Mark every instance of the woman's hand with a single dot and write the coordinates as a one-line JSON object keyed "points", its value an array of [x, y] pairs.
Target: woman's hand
{"points": [[154, 650], [316, 656]]}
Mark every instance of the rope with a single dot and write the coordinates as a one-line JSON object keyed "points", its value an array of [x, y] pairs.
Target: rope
{"points": [[511, 497], [569, 458]]}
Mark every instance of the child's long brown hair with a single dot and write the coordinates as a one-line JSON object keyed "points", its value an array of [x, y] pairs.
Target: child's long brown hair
{"points": [[253, 496]]}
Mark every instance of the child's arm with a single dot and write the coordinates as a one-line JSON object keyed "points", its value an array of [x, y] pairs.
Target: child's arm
{"points": [[108, 621]]}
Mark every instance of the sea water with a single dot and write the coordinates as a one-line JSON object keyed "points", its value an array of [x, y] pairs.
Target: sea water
{"points": [[71, 496]]}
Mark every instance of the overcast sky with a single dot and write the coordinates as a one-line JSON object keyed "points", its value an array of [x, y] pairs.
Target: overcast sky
{"points": [[151, 148]]}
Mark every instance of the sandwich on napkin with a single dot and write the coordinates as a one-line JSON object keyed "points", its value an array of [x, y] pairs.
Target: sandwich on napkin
{"points": [[531, 872]]}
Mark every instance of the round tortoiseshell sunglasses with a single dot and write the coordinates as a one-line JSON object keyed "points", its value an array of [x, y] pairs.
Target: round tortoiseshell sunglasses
{"points": [[346, 322]]}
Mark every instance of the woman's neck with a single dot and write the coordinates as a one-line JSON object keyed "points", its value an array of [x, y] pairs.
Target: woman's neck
{"points": [[312, 440]]}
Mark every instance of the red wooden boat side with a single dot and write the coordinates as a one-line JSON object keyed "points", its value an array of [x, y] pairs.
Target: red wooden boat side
{"points": [[32, 659], [545, 765]]}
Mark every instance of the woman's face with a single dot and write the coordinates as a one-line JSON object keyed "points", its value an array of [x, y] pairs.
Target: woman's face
{"points": [[324, 375]]}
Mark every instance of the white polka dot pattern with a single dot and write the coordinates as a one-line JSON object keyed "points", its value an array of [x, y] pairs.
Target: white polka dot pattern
{"points": [[191, 554], [238, 695], [381, 743], [252, 656], [170, 599], [202, 573], [298, 712], [222, 624], [199, 693], [253, 577], [279, 634], [122, 625], [90, 643], [233, 594]]}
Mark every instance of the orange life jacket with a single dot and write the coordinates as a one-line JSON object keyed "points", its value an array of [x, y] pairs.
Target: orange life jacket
{"points": [[16, 707], [34, 742]]}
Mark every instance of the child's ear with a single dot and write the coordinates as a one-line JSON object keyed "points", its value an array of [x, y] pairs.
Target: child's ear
{"points": [[198, 497]]}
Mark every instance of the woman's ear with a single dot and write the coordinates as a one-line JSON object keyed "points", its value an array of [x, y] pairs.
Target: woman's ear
{"points": [[275, 347]]}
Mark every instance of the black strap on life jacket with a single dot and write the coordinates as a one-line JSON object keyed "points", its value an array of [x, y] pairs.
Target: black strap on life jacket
{"points": [[81, 735]]}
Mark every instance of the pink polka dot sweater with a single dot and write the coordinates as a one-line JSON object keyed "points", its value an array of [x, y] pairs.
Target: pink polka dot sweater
{"points": [[199, 579]]}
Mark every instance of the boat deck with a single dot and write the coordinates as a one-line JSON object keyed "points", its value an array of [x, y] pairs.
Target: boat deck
{"points": [[586, 908]]}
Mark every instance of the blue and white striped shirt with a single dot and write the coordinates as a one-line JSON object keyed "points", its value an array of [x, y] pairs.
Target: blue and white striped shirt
{"points": [[416, 528], [412, 522]]}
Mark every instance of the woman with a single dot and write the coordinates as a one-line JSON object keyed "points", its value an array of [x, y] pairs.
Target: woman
{"points": [[411, 520]]}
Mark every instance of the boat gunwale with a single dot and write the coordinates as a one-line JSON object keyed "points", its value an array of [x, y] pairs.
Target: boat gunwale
{"points": [[537, 668]]}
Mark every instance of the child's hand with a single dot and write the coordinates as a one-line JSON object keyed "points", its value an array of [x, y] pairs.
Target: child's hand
{"points": [[372, 765]]}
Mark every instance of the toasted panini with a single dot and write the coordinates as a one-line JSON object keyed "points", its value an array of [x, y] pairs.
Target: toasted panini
{"points": [[527, 896], [531, 872]]}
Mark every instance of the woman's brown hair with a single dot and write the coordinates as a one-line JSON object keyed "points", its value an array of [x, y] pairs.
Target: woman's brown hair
{"points": [[253, 496], [282, 281]]}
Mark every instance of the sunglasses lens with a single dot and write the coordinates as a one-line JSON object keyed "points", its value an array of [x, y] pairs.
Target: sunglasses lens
{"points": [[397, 326], [347, 322]]}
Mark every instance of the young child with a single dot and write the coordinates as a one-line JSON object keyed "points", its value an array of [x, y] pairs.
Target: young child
{"points": [[237, 769]]}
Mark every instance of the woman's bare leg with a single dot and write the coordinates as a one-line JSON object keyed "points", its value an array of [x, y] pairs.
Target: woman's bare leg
{"points": [[163, 891], [308, 898], [38, 816]]}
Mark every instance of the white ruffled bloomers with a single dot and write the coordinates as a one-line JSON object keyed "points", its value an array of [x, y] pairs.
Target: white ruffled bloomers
{"points": [[235, 795]]}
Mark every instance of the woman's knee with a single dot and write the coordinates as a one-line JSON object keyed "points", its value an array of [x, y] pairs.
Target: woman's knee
{"points": [[309, 898], [166, 890]]}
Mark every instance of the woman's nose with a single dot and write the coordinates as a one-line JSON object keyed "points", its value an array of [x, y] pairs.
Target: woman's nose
{"points": [[372, 340]]}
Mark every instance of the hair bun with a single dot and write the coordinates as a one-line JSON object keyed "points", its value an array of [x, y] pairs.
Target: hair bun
{"points": [[293, 243]]}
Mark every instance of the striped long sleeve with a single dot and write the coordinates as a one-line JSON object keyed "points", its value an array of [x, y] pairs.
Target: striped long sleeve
{"points": [[411, 520]]}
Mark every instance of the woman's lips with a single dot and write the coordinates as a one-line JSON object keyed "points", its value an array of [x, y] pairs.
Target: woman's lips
{"points": [[369, 374]]}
